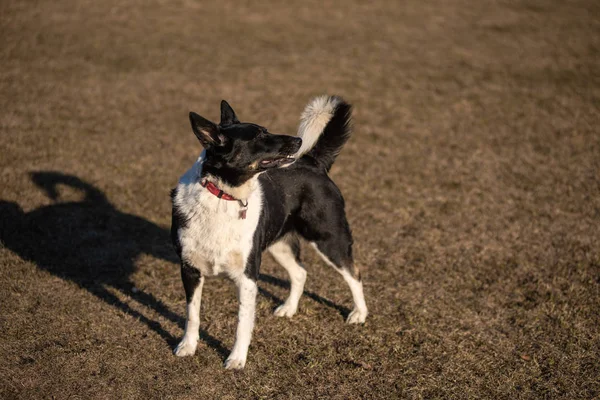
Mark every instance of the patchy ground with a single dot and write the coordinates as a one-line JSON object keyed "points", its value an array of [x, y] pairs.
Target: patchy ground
{"points": [[472, 185]]}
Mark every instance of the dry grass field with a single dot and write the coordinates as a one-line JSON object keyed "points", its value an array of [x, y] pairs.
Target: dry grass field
{"points": [[472, 185]]}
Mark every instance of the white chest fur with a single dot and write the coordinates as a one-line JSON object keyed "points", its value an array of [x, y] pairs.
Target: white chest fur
{"points": [[215, 239]]}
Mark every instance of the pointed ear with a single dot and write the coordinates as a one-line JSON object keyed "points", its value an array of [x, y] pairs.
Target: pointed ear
{"points": [[207, 132], [227, 114]]}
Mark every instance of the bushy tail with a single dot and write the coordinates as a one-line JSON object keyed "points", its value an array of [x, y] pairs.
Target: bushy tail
{"points": [[325, 126]]}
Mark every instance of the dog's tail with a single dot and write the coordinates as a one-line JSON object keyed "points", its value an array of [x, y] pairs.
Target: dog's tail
{"points": [[325, 126]]}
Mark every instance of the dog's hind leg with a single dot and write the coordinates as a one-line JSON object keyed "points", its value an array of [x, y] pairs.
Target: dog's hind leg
{"points": [[193, 282], [287, 253], [338, 254]]}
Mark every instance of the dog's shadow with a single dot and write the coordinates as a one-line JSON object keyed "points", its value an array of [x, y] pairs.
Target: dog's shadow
{"points": [[344, 311], [94, 245]]}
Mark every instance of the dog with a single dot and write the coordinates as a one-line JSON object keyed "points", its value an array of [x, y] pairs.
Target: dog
{"points": [[251, 191]]}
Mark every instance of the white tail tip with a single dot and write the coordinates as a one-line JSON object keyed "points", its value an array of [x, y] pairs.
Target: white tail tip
{"points": [[314, 119]]}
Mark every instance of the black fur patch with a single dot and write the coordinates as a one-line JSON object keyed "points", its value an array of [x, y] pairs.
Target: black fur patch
{"points": [[191, 279], [178, 220], [303, 200], [334, 136]]}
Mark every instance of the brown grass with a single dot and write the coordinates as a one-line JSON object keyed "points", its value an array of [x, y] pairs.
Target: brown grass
{"points": [[472, 184]]}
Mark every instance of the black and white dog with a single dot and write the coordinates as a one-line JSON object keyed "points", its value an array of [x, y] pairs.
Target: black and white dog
{"points": [[251, 191]]}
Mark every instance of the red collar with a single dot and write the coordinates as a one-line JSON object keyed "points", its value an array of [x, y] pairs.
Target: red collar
{"points": [[211, 187], [217, 192]]}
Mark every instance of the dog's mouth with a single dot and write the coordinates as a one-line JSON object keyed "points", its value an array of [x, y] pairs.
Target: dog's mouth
{"points": [[277, 161]]}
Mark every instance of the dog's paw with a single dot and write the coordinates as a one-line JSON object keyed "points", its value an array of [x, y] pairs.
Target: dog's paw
{"points": [[285, 310], [234, 363], [185, 348], [357, 316]]}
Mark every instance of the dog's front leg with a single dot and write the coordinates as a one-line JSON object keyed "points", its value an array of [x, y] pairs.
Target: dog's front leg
{"points": [[193, 282], [247, 290]]}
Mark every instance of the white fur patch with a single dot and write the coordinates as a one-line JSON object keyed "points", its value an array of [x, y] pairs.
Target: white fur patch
{"points": [[359, 314], [360, 311], [247, 290], [188, 344], [282, 253], [313, 120], [216, 240]]}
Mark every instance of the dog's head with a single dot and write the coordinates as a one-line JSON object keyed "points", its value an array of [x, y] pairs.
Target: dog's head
{"points": [[237, 151]]}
